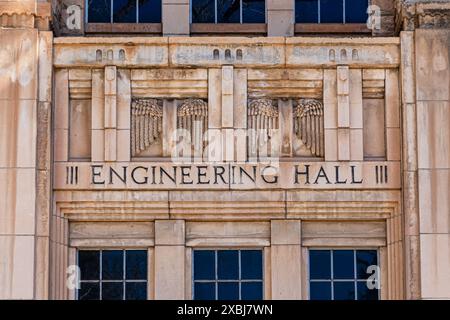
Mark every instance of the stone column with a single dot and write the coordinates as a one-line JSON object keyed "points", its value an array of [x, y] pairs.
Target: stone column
{"points": [[169, 260], [280, 18], [175, 17], [286, 256], [25, 97]]}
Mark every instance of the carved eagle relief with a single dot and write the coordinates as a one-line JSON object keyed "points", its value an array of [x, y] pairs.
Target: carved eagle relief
{"points": [[192, 116], [146, 124], [308, 125], [262, 120]]}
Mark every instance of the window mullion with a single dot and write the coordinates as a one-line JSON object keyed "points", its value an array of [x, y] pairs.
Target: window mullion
{"points": [[215, 18], [241, 20]]}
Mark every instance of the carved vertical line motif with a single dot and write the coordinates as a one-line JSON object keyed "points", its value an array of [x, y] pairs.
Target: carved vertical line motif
{"points": [[309, 125]]}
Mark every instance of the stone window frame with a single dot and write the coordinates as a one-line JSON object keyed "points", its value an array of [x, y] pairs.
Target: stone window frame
{"points": [[190, 263], [383, 263], [113, 27], [228, 28]]}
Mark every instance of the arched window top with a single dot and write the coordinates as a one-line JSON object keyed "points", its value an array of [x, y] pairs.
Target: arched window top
{"points": [[331, 11], [228, 11], [123, 11]]}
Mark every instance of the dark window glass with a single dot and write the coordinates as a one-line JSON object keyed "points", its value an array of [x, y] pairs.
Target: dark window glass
{"points": [[124, 11], [112, 290], [203, 11], [364, 259], [228, 291], [306, 11], [320, 290], [356, 11], [320, 264], [343, 264], [150, 11], [204, 291], [251, 264], [204, 265], [89, 264], [331, 11], [364, 293], [253, 11], [89, 291], [99, 11], [251, 291], [136, 263], [344, 290], [228, 11], [112, 265], [136, 290], [227, 264]]}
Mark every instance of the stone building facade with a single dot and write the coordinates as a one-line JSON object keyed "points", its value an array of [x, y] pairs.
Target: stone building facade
{"points": [[298, 138]]}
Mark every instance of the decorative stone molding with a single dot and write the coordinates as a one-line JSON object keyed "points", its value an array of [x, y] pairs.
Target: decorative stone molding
{"points": [[192, 115], [263, 118], [146, 124], [422, 14], [309, 125], [25, 14]]}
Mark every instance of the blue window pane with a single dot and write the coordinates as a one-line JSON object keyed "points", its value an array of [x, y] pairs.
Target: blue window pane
{"points": [[150, 11], [204, 265], [112, 291], [331, 11], [365, 259], [124, 11], [136, 290], [251, 291], [228, 11], [89, 291], [356, 11], [204, 291], [306, 11], [228, 291], [253, 11], [320, 290], [136, 264], [319, 264], [112, 265], [344, 290], [251, 264], [364, 293], [228, 264], [89, 263], [99, 11], [343, 264], [203, 11]]}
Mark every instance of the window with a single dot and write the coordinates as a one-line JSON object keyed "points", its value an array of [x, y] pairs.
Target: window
{"points": [[228, 275], [331, 11], [112, 275], [123, 11], [343, 275], [228, 11]]}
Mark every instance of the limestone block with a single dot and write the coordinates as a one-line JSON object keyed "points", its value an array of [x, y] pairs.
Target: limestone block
{"points": [[110, 144], [17, 203], [373, 74], [409, 136], [343, 146], [374, 128], [286, 277], [123, 99], [435, 263], [343, 90], [286, 125], [392, 93], [432, 64], [434, 202], [280, 5], [330, 99], [80, 129], [98, 145], [393, 144], [227, 97], [240, 98], [179, 26], [62, 99], [98, 99], [18, 130], [285, 232], [280, 22], [61, 151], [169, 272], [433, 134], [110, 111], [357, 145], [331, 145], [169, 232], [355, 96], [45, 65], [228, 145], [123, 145], [407, 67], [214, 98], [169, 127]]}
